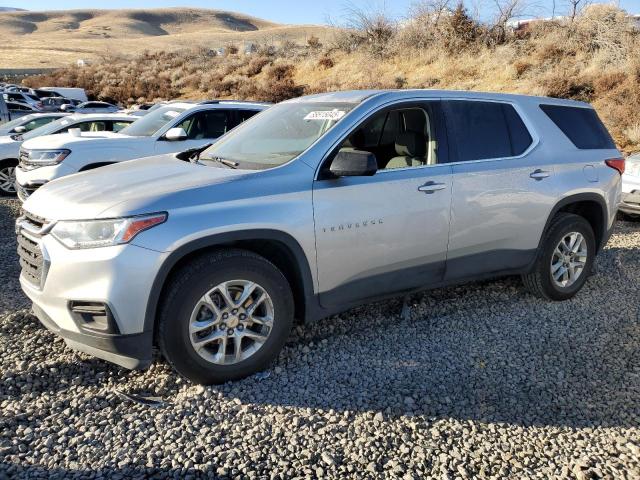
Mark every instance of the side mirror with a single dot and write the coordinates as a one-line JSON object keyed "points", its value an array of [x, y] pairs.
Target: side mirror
{"points": [[20, 129], [174, 134], [354, 163]]}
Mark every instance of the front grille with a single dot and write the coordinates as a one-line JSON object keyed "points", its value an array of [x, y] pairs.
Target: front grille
{"points": [[34, 220], [26, 191], [23, 158], [32, 260]]}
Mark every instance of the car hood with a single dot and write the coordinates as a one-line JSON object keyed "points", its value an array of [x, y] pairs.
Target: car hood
{"points": [[126, 188], [66, 140]]}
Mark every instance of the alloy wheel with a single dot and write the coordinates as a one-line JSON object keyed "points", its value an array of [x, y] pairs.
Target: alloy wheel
{"points": [[569, 259], [8, 179], [231, 322]]}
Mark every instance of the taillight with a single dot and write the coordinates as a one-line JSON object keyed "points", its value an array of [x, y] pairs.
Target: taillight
{"points": [[616, 163]]}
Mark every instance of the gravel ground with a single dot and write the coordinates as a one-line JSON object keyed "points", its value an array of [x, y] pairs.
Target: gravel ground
{"points": [[477, 381]]}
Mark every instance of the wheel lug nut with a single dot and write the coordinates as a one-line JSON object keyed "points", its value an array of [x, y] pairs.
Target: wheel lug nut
{"points": [[240, 327], [230, 331], [223, 326], [242, 316], [225, 315], [234, 311]]}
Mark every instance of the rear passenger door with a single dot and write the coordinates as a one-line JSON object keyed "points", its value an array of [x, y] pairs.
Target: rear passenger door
{"points": [[503, 188]]}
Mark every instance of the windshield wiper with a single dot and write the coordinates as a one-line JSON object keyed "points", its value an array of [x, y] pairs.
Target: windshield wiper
{"points": [[223, 161], [193, 154]]}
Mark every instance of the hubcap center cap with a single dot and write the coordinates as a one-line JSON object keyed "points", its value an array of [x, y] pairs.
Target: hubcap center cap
{"points": [[232, 321]]}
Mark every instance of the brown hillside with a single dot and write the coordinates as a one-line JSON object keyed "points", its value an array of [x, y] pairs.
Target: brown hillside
{"points": [[59, 38]]}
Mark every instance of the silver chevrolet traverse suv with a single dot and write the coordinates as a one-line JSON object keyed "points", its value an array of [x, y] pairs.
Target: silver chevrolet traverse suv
{"points": [[311, 207]]}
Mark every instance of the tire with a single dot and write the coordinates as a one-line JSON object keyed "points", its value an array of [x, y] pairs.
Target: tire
{"points": [[184, 308], [540, 280], [8, 177]]}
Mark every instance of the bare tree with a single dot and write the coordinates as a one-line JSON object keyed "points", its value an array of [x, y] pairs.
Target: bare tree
{"points": [[575, 7], [506, 11]]}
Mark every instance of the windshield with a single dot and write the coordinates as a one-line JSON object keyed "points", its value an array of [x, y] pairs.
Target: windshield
{"points": [[48, 129], [152, 122], [277, 135]]}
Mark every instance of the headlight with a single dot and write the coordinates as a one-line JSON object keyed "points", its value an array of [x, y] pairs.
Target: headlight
{"points": [[45, 158], [104, 233]]}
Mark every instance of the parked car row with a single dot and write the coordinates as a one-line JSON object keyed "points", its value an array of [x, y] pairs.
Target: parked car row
{"points": [[248, 216], [23, 101]]}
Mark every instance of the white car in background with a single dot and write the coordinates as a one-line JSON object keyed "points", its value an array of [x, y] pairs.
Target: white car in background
{"points": [[172, 128], [631, 186], [27, 123], [95, 124]]}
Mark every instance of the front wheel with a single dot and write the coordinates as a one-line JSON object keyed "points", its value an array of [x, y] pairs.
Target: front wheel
{"points": [[226, 315], [564, 260], [8, 177]]}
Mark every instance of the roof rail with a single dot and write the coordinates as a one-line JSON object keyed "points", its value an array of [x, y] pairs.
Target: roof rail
{"points": [[248, 102]]}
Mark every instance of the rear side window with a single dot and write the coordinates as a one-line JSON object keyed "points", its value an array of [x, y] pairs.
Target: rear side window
{"points": [[485, 130], [581, 125]]}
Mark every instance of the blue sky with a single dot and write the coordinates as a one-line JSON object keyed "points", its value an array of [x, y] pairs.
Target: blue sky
{"points": [[286, 11]]}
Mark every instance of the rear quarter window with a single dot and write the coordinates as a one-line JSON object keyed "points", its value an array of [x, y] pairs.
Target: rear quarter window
{"points": [[581, 125]]}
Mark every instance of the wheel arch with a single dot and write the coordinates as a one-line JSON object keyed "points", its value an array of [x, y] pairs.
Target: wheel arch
{"points": [[591, 206], [278, 247]]}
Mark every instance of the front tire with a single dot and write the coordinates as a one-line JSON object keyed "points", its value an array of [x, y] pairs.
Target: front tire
{"points": [[226, 315], [8, 177], [564, 260]]}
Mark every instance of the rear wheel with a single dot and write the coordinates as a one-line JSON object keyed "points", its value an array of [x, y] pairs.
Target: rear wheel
{"points": [[226, 315], [564, 260], [8, 177]]}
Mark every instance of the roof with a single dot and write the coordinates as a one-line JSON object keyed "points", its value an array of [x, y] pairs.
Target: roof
{"points": [[214, 104], [101, 116], [358, 96]]}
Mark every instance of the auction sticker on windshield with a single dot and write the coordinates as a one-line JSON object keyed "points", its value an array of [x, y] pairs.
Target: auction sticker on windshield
{"points": [[325, 115]]}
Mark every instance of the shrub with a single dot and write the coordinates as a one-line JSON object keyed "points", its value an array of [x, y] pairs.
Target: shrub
{"points": [[326, 62]]}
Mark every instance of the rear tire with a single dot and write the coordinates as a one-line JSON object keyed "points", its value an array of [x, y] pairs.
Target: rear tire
{"points": [[226, 315], [8, 177], [551, 277]]}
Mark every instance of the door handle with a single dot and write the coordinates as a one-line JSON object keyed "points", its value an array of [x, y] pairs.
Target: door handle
{"points": [[539, 174], [431, 187]]}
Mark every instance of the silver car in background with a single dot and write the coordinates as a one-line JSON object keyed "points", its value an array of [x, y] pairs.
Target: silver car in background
{"points": [[309, 208]]}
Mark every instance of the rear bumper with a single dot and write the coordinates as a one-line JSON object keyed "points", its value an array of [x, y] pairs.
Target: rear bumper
{"points": [[129, 351]]}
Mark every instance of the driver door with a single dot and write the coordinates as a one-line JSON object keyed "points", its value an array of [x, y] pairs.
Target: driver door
{"points": [[388, 232]]}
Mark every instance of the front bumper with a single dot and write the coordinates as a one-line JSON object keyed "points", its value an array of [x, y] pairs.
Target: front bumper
{"points": [[129, 351], [118, 277]]}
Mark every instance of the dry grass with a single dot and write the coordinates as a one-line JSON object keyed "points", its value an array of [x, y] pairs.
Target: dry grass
{"points": [[596, 58]]}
